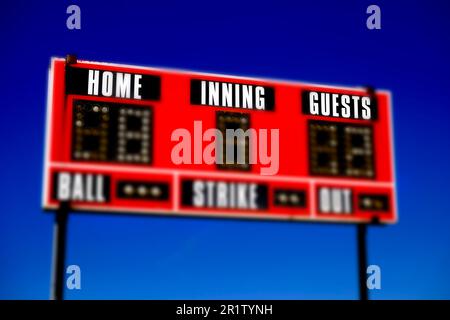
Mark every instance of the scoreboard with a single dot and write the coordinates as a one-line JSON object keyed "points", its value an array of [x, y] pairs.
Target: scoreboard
{"points": [[110, 145]]}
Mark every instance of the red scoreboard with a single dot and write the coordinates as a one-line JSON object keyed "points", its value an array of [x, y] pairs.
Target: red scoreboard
{"points": [[159, 141]]}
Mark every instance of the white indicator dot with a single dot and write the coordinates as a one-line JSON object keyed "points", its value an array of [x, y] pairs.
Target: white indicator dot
{"points": [[294, 198], [128, 189], [155, 191], [282, 198], [142, 191]]}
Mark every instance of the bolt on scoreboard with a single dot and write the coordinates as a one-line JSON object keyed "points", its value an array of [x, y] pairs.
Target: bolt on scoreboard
{"points": [[109, 145]]}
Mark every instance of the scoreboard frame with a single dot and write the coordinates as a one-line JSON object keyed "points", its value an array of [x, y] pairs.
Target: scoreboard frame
{"points": [[287, 112]]}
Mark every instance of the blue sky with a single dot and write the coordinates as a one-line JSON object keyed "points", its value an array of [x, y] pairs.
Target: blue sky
{"points": [[181, 258]]}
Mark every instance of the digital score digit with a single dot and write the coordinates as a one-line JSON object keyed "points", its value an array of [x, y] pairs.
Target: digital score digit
{"points": [[111, 132], [339, 149]]}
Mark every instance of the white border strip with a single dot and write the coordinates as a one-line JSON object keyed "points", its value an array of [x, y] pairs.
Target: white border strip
{"points": [[48, 128], [187, 213], [203, 173], [393, 166], [176, 192]]}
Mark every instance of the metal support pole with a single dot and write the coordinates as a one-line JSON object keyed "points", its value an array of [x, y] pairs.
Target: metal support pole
{"points": [[362, 261], [60, 236], [59, 251]]}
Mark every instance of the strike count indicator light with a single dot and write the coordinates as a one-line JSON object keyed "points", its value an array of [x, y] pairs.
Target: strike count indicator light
{"points": [[109, 146]]}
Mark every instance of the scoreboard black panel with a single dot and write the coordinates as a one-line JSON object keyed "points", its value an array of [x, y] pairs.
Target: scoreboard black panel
{"points": [[111, 132], [341, 149]]}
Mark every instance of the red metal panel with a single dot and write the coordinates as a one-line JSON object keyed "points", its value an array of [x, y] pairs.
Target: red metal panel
{"points": [[174, 110]]}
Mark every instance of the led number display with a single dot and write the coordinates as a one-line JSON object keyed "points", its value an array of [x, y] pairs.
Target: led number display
{"points": [[340, 149], [111, 132], [232, 145]]}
